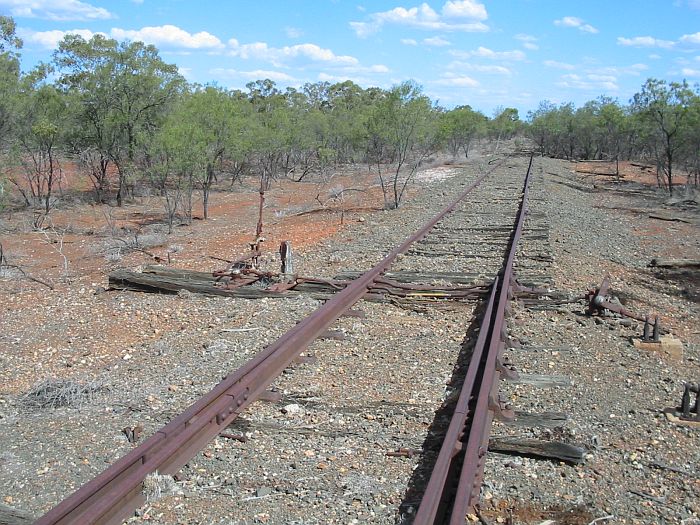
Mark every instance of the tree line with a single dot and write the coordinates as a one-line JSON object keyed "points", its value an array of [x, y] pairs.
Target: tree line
{"points": [[128, 121], [661, 125]]}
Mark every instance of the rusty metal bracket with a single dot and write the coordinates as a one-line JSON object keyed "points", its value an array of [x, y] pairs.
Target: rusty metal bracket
{"points": [[690, 411], [599, 301]]}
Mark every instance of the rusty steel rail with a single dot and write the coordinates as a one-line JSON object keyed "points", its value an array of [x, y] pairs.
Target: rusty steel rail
{"points": [[116, 492], [455, 481]]}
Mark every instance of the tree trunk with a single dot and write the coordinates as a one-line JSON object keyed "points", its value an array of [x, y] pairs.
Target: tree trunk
{"points": [[49, 184], [206, 187], [669, 172]]}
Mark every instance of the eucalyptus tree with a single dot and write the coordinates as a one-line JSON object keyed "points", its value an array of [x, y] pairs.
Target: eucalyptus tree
{"points": [[505, 124], [664, 107], [349, 110], [459, 127], [10, 45], [541, 128], [690, 150], [41, 110], [268, 105], [404, 126], [207, 128], [123, 89]]}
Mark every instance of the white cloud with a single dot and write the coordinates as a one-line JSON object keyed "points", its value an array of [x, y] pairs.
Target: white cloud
{"points": [[498, 70], [277, 76], [633, 70], [378, 68], [293, 32], [409, 42], [590, 82], [688, 72], [57, 10], [645, 41], [452, 79], [436, 41], [464, 9], [691, 39], [559, 65], [278, 55], [169, 36], [425, 17], [484, 52], [528, 41], [573, 21], [354, 70], [50, 39]]}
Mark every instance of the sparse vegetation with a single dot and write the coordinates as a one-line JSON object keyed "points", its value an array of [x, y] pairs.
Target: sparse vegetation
{"points": [[54, 393], [155, 486], [129, 124]]}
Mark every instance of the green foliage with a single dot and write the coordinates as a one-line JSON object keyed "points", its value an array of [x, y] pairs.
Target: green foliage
{"points": [[664, 109], [124, 114], [661, 124], [403, 130], [121, 91], [40, 111], [459, 127]]}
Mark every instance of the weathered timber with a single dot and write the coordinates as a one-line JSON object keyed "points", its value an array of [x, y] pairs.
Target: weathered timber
{"points": [[553, 450], [441, 253], [543, 419], [542, 381], [10, 516], [159, 279], [454, 278], [418, 277], [675, 263], [482, 229], [154, 283]]}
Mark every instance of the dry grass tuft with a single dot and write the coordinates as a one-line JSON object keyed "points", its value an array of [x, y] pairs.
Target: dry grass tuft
{"points": [[155, 486], [52, 393]]}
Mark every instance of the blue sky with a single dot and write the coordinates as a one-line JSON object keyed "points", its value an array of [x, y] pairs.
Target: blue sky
{"points": [[479, 52]]}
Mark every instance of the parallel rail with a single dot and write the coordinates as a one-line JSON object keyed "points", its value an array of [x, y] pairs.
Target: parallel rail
{"points": [[114, 494], [455, 482]]}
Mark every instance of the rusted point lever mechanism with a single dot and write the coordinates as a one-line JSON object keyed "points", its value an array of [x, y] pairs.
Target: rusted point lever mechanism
{"points": [[599, 301]]}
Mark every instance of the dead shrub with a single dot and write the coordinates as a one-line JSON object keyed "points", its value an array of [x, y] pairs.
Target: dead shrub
{"points": [[53, 393]]}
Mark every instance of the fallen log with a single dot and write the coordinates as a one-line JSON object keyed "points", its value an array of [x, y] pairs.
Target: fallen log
{"points": [[675, 263]]}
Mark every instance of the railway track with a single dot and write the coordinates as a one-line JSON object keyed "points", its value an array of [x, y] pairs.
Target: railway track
{"points": [[472, 241]]}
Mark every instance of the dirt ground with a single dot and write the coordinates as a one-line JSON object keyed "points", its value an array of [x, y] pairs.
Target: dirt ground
{"points": [[81, 244], [63, 324]]}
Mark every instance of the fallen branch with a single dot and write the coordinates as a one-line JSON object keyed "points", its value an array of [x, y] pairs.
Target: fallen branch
{"points": [[5, 264], [668, 218], [675, 263]]}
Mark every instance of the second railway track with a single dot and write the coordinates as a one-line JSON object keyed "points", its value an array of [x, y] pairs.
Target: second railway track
{"points": [[343, 439]]}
